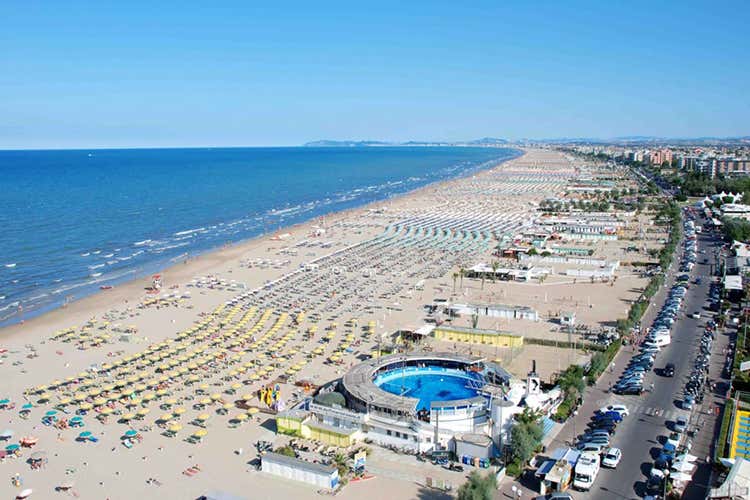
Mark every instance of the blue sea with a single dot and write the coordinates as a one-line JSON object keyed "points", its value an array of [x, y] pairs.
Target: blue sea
{"points": [[72, 221]]}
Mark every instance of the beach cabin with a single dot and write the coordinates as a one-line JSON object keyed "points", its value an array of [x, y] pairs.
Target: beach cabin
{"points": [[318, 475]]}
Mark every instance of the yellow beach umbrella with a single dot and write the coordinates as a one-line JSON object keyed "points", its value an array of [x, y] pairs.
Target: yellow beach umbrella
{"points": [[179, 411], [165, 418], [175, 428], [227, 406], [216, 396], [252, 411], [200, 433], [241, 417], [86, 406], [128, 416], [205, 401], [203, 417]]}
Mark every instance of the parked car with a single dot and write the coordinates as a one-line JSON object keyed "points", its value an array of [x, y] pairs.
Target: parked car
{"points": [[612, 458], [680, 424]]}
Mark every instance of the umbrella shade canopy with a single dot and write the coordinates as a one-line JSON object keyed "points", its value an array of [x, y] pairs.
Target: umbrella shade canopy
{"points": [[165, 417], [179, 411], [203, 416], [7, 433], [4, 402], [76, 419], [38, 455], [175, 428], [200, 433], [85, 434], [252, 411], [25, 493], [28, 406], [51, 413], [12, 447], [131, 433]]}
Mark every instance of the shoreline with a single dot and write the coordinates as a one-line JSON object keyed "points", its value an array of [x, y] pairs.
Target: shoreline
{"points": [[133, 290]]}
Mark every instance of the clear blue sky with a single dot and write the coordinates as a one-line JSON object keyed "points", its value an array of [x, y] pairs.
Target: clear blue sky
{"points": [[87, 74]]}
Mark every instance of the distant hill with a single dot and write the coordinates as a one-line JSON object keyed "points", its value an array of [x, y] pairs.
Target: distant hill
{"points": [[485, 141]]}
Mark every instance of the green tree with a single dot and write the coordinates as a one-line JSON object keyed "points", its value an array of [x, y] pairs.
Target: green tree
{"points": [[478, 487], [287, 451]]}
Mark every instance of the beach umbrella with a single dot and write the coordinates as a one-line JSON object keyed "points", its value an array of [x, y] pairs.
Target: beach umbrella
{"points": [[143, 411], [131, 433], [216, 396], [100, 401], [4, 402], [105, 411], [38, 455], [50, 413], [25, 493], [84, 435], [12, 447], [178, 411], [174, 428], [241, 417], [6, 434], [86, 406], [128, 416], [166, 417], [28, 406], [200, 433], [252, 411], [76, 419]]}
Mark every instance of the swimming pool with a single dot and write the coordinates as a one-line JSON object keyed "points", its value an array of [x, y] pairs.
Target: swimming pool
{"points": [[430, 383]]}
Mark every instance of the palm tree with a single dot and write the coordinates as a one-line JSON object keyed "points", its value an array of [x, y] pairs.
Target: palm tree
{"points": [[340, 461], [462, 273], [495, 265], [455, 277]]}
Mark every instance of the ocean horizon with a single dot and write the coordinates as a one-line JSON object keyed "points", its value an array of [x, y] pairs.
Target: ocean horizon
{"points": [[78, 219]]}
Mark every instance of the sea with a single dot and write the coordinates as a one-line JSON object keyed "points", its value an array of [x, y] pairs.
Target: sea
{"points": [[72, 221]]}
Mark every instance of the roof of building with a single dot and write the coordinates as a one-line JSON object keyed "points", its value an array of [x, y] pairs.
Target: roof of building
{"points": [[737, 482], [475, 439], [733, 282], [296, 463]]}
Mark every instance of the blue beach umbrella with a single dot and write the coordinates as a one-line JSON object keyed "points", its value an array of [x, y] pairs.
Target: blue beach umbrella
{"points": [[51, 413], [27, 406], [4, 402], [12, 447], [85, 435], [131, 433], [76, 419]]}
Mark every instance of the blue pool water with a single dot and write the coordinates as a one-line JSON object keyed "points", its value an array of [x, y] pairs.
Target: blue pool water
{"points": [[73, 221], [430, 384]]}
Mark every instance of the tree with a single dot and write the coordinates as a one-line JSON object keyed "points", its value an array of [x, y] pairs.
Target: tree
{"points": [[287, 451], [522, 443], [462, 273], [495, 265], [478, 487], [455, 277]]}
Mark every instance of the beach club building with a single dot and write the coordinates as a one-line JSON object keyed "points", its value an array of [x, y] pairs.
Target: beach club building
{"points": [[318, 475], [419, 402]]}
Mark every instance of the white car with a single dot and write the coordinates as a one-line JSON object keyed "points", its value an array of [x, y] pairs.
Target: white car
{"points": [[621, 409], [612, 458]]}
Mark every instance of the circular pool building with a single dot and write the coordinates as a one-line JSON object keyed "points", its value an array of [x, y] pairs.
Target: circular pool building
{"points": [[449, 388]]}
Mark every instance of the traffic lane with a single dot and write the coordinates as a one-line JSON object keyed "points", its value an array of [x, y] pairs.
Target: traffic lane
{"points": [[641, 436]]}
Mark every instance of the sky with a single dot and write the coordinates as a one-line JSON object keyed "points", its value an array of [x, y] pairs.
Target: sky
{"points": [[168, 74]]}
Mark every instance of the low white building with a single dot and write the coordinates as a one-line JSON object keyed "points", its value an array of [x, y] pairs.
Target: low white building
{"points": [[318, 475]]}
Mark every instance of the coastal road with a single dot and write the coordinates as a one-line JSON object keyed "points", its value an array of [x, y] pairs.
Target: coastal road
{"points": [[640, 434]]}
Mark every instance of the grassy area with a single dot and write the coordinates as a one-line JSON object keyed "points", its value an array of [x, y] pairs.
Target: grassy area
{"points": [[721, 448]]}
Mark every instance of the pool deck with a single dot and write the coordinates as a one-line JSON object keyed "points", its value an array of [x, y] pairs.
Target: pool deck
{"points": [[358, 382]]}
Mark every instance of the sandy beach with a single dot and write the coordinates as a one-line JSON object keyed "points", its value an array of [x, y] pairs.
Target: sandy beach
{"points": [[166, 384]]}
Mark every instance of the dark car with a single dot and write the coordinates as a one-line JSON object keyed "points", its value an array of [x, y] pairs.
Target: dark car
{"points": [[633, 390], [668, 370]]}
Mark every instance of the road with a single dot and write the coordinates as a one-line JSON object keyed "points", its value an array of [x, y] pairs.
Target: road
{"points": [[640, 435]]}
